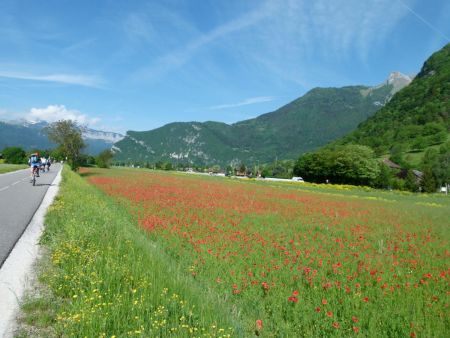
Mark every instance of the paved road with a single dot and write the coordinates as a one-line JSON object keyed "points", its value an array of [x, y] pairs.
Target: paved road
{"points": [[19, 201]]}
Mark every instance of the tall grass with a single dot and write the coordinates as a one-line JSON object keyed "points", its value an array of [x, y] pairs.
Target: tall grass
{"points": [[5, 168], [301, 260], [106, 279], [239, 259]]}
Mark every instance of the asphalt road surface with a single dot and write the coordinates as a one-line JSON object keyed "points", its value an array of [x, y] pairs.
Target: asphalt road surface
{"points": [[19, 200]]}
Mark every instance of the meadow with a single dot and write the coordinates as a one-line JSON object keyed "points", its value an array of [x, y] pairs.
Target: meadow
{"points": [[5, 168], [150, 253]]}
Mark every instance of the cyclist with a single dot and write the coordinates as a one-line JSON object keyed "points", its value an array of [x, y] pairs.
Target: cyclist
{"points": [[43, 164], [35, 162], [49, 163]]}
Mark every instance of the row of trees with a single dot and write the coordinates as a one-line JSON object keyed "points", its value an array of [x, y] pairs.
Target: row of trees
{"points": [[348, 164], [358, 165], [17, 155], [66, 134], [341, 164]]}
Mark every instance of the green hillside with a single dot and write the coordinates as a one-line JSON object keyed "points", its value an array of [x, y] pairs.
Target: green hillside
{"points": [[417, 117], [320, 116]]}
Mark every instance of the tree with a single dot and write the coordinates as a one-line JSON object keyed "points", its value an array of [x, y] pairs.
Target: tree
{"points": [[104, 158], [14, 155], [67, 135], [444, 163], [229, 170], [428, 182], [396, 155], [411, 182], [349, 164], [385, 177]]}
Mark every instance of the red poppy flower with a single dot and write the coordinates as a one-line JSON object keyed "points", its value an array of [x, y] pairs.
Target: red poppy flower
{"points": [[259, 324], [330, 314], [293, 299], [324, 301], [336, 325]]}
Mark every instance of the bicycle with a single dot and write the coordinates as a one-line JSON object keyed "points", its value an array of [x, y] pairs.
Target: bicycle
{"points": [[33, 175]]}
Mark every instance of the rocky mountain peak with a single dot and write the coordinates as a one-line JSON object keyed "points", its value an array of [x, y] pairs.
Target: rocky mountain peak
{"points": [[398, 80]]}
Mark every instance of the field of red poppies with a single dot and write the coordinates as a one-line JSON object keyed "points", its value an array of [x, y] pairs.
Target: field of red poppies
{"points": [[293, 261]]}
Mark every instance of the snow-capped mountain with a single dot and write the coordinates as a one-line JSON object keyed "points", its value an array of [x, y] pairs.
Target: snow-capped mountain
{"points": [[29, 134], [107, 136]]}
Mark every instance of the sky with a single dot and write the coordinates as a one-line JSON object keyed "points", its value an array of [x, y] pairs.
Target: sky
{"points": [[138, 65]]}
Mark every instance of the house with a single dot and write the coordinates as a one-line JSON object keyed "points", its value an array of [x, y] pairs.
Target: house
{"points": [[391, 164], [401, 172]]}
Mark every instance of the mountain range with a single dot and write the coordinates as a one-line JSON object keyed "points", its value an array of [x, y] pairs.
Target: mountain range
{"points": [[417, 117], [320, 116], [30, 135], [402, 113]]}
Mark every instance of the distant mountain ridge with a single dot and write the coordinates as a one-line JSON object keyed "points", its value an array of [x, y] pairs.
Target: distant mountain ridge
{"points": [[318, 117], [29, 135]]}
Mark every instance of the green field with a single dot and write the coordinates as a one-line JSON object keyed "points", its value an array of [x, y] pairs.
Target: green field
{"points": [[5, 168], [157, 254]]}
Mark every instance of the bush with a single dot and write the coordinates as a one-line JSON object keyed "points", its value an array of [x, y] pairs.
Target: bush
{"points": [[14, 155], [104, 158]]}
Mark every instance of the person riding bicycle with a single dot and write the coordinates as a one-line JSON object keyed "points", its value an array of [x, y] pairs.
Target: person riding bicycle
{"points": [[43, 164], [49, 163], [35, 162]]}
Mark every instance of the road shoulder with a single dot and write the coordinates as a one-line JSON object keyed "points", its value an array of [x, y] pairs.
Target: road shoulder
{"points": [[16, 272]]}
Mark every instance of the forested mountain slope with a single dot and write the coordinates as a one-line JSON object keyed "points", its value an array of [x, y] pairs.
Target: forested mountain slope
{"points": [[417, 117], [318, 117]]}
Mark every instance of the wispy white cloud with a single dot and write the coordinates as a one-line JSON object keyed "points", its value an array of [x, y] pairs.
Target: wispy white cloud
{"points": [[246, 102], [298, 36], [53, 113], [179, 57], [138, 27], [74, 79], [288, 38]]}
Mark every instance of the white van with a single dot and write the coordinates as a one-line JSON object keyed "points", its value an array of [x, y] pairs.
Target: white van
{"points": [[297, 179]]}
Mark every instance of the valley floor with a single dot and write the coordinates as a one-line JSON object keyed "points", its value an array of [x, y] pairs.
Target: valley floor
{"points": [[148, 253]]}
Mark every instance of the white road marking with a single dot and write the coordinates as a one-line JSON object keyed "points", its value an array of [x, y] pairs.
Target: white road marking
{"points": [[4, 188], [15, 183]]}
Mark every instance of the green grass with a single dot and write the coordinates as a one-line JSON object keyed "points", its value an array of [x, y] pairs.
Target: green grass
{"points": [[107, 279], [378, 232], [5, 168], [414, 158]]}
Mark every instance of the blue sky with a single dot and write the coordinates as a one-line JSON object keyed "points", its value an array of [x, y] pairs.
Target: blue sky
{"points": [[137, 65]]}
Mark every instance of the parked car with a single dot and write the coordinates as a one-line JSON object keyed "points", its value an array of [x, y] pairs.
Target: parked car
{"points": [[297, 179]]}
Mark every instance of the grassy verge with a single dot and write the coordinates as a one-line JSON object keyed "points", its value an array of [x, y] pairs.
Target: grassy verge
{"points": [[301, 260], [224, 256], [105, 278], [5, 168]]}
